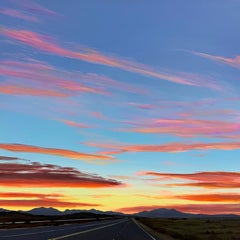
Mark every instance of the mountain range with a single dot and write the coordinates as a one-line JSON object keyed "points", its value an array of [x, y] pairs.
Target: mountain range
{"points": [[156, 213]]}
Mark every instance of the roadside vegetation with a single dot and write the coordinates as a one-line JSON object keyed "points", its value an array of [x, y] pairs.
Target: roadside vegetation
{"points": [[195, 229]]}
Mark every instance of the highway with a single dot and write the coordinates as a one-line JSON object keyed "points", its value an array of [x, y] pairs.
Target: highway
{"points": [[123, 229]]}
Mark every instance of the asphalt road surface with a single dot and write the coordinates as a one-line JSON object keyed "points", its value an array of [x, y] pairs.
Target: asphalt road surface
{"points": [[123, 229]]}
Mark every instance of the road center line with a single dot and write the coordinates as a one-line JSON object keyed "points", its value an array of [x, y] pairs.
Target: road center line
{"points": [[85, 231]]}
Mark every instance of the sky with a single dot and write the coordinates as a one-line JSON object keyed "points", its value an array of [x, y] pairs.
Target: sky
{"points": [[120, 105]]}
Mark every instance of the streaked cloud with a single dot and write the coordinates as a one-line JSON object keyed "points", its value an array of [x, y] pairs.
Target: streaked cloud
{"points": [[44, 43], [37, 9], [11, 89], [36, 175], [55, 151], [18, 14], [74, 124], [234, 62], [50, 79], [187, 127], [5, 158], [211, 197], [169, 147], [208, 180]]}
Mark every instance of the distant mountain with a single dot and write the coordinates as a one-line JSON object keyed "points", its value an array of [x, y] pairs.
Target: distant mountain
{"points": [[163, 213], [173, 213], [45, 211], [54, 212], [4, 210]]}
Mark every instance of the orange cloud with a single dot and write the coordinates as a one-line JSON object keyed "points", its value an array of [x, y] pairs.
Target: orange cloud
{"points": [[43, 43], [54, 151], [214, 197], [29, 199], [44, 203], [34, 175], [28, 195], [199, 179], [188, 128], [191, 208], [170, 147]]}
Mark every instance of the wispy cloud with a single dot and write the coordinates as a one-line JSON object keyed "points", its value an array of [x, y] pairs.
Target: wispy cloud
{"points": [[187, 127], [33, 175], [12, 89], [169, 147], [234, 62], [37, 9], [191, 208], [55, 151], [74, 124], [48, 45], [18, 14], [50, 80], [208, 180], [5, 158]]}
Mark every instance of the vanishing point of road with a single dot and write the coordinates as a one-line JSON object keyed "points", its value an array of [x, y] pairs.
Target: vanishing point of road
{"points": [[123, 229]]}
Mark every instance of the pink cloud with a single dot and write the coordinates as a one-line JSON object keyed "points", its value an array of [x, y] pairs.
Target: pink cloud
{"points": [[234, 62], [46, 44], [170, 147], [74, 124], [41, 73], [187, 127], [18, 14], [68, 83], [208, 180], [12, 89]]}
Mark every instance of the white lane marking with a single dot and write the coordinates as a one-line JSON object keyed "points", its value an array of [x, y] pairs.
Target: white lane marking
{"points": [[143, 229], [61, 229], [85, 231]]}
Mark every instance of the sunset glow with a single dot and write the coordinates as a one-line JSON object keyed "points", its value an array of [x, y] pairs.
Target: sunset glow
{"points": [[120, 105]]}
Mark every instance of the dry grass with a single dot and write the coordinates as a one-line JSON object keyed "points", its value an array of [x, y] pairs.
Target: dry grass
{"points": [[196, 229]]}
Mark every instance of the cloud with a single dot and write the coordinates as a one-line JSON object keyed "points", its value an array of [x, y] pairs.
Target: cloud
{"points": [[18, 14], [74, 124], [17, 199], [169, 147], [28, 195], [4, 158], [234, 62], [212, 197], [54, 151], [12, 89], [49, 80], [48, 45], [191, 208], [187, 127], [44, 203], [37, 9], [200, 179], [36, 175]]}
